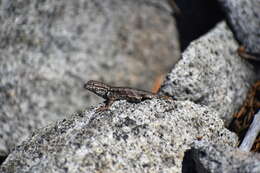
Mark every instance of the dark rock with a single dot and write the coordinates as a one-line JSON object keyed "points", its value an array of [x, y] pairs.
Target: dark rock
{"points": [[222, 159]]}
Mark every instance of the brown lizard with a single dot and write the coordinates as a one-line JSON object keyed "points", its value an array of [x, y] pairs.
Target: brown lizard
{"points": [[111, 94]]}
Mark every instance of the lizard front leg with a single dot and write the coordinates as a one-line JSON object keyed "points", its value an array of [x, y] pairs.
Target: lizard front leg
{"points": [[105, 107]]}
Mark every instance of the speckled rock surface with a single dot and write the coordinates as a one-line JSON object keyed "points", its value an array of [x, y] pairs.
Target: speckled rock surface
{"points": [[147, 137], [48, 49], [211, 73], [244, 17], [223, 159]]}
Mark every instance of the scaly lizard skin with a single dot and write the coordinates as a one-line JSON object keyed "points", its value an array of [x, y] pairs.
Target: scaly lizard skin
{"points": [[111, 94]]}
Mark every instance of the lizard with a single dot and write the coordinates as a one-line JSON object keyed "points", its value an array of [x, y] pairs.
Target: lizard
{"points": [[111, 93]]}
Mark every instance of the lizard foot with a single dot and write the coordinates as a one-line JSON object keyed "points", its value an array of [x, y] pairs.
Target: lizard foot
{"points": [[102, 109]]}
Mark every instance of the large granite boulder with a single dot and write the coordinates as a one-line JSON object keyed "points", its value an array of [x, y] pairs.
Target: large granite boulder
{"points": [[49, 49], [151, 136]]}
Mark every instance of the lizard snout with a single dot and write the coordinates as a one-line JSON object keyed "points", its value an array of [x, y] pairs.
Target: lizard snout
{"points": [[93, 85]]}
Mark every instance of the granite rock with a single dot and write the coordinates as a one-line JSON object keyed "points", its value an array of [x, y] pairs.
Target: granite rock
{"points": [[244, 18], [151, 136], [214, 158], [211, 73], [48, 49]]}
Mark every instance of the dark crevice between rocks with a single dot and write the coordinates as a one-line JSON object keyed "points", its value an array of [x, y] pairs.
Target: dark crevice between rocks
{"points": [[196, 18], [2, 159], [189, 165]]}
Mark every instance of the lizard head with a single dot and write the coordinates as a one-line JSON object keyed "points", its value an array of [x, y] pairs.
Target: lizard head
{"points": [[98, 88]]}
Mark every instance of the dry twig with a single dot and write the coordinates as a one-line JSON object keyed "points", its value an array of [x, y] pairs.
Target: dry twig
{"points": [[244, 117]]}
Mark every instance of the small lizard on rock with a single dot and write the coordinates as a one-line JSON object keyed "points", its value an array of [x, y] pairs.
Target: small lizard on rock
{"points": [[111, 94]]}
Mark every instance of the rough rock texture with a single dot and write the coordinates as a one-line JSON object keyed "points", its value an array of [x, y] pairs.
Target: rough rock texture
{"points": [[244, 17], [151, 136], [211, 73], [48, 49], [223, 159]]}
